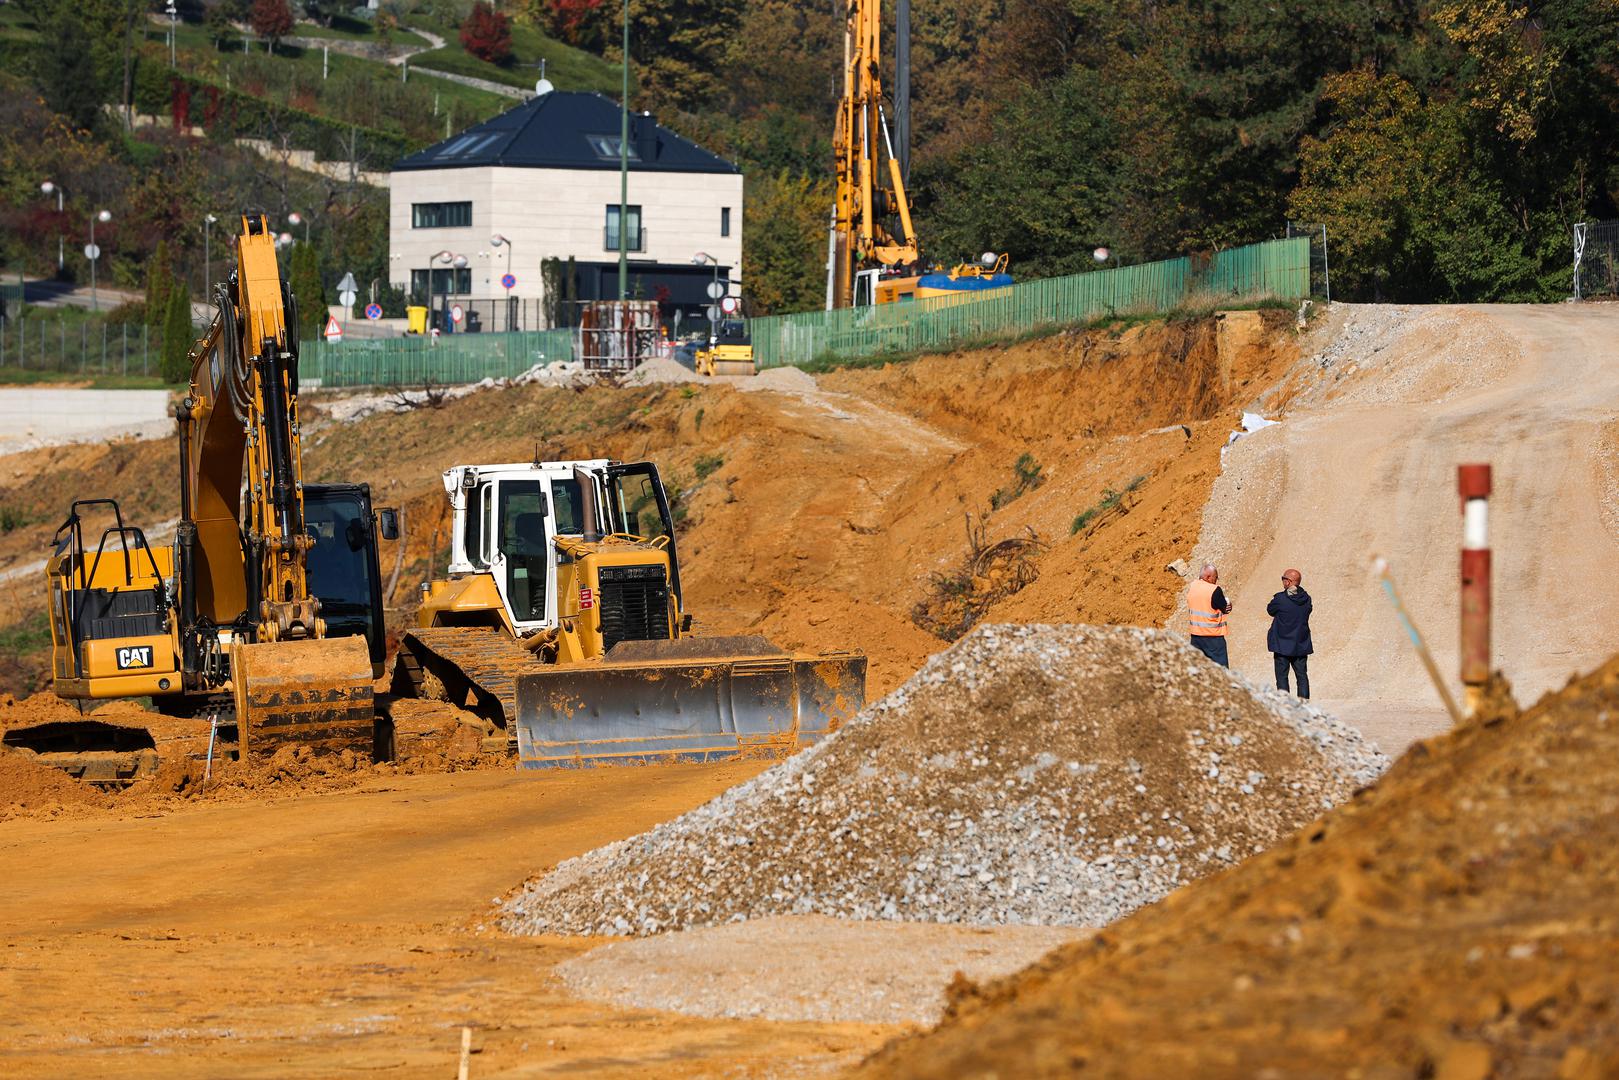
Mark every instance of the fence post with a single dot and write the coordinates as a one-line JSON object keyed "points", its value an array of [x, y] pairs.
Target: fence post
{"points": [[124, 369], [61, 337], [146, 333], [84, 336], [103, 348]]}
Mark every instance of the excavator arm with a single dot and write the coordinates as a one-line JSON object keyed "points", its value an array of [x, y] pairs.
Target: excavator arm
{"points": [[248, 617]]}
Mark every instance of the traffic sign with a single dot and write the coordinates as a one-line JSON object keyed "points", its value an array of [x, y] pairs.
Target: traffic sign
{"points": [[715, 290], [457, 314], [333, 332], [347, 284], [507, 280], [373, 311], [714, 313], [92, 252], [346, 298], [730, 304]]}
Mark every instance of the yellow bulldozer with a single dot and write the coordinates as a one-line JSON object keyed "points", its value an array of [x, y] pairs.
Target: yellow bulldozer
{"points": [[562, 624], [266, 610]]}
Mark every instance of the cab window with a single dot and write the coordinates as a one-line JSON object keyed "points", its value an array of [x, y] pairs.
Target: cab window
{"points": [[475, 517], [523, 542], [569, 504]]}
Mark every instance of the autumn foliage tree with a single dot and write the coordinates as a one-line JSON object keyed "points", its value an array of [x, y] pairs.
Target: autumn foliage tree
{"points": [[271, 19], [487, 34]]}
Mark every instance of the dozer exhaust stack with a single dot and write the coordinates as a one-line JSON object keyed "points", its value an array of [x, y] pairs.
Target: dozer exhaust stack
{"points": [[691, 699], [317, 693]]}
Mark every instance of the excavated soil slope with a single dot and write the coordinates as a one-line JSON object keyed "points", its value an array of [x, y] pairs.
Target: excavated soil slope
{"points": [[1030, 774], [1456, 921]]}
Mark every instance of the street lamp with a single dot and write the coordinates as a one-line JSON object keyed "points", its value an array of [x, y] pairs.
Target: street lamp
{"points": [[296, 219], [456, 262], [713, 299], [173, 15], [51, 188], [93, 253], [208, 254], [500, 241]]}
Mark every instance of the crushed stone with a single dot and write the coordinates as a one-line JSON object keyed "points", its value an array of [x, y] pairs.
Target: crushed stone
{"points": [[658, 370], [1060, 775]]}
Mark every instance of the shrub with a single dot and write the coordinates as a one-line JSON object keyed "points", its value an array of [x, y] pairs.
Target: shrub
{"points": [[487, 34], [177, 336]]}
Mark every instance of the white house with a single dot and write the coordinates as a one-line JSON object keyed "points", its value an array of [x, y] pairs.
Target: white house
{"points": [[544, 178]]}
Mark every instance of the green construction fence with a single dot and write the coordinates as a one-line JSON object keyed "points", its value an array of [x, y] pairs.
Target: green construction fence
{"points": [[1273, 269], [417, 360], [1278, 269]]}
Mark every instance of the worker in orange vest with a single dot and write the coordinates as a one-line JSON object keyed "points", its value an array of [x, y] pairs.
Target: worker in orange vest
{"points": [[1207, 607]]}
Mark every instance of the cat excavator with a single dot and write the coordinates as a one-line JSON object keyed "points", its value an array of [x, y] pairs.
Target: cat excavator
{"points": [[563, 626], [267, 607]]}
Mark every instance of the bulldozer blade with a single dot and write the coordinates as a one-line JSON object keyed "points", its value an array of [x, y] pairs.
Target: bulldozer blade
{"points": [[684, 708], [315, 693]]}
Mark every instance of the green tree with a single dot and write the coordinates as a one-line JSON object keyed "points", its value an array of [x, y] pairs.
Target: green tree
{"points": [[159, 283], [73, 83], [178, 335], [304, 278], [784, 259]]}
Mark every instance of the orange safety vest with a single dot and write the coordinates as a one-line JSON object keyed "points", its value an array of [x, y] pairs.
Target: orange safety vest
{"points": [[1206, 622]]}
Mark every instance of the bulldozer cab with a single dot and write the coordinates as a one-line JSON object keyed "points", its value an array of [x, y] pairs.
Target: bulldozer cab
{"points": [[508, 519]]}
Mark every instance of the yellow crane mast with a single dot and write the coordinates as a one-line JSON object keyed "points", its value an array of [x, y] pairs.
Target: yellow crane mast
{"points": [[867, 195]]}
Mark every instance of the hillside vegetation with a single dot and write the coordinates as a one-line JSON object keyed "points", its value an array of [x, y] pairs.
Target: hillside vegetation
{"points": [[1448, 146]]}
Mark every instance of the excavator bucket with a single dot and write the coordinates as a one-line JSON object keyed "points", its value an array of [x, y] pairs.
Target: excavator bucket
{"points": [[693, 699], [315, 693]]}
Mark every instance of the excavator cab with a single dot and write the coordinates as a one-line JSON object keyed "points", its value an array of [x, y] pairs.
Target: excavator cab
{"points": [[563, 624]]}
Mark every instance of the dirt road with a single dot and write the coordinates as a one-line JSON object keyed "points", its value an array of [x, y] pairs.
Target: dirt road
{"points": [[327, 934], [1365, 463]]}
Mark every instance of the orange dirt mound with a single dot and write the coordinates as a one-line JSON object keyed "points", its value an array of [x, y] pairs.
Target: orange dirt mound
{"points": [[29, 789], [1455, 920]]}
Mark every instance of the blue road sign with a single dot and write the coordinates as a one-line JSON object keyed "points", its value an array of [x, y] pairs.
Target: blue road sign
{"points": [[373, 311], [507, 281]]}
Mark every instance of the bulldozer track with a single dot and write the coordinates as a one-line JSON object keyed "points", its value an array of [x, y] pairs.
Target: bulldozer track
{"points": [[478, 666]]}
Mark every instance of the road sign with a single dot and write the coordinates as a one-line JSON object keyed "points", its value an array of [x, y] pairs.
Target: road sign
{"points": [[714, 313], [347, 284], [373, 311], [346, 298], [92, 252], [457, 314], [730, 304], [507, 280], [333, 332], [716, 290]]}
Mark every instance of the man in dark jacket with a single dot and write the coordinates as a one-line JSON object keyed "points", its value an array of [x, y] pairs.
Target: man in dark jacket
{"points": [[1289, 637]]}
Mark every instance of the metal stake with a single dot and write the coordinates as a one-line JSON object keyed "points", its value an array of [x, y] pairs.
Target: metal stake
{"points": [[1381, 568]]}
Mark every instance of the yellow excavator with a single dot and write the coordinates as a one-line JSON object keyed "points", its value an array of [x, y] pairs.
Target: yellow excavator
{"points": [[266, 608], [562, 624]]}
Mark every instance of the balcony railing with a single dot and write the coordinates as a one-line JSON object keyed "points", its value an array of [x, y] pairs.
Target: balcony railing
{"points": [[610, 239]]}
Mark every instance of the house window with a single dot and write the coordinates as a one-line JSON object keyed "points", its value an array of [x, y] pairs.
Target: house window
{"points": [[725, 221], [634, 234], [440, 215], [606, 147], [444, 279]]}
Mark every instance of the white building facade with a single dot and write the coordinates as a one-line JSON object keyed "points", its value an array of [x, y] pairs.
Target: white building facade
{"points": [[544, 179]]}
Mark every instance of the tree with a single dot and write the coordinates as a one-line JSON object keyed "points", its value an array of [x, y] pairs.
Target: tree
{"points": [[159, 283], [178, 334], [487, 34], [304, 278], [67, 71], [271, 19], [784, 261]]}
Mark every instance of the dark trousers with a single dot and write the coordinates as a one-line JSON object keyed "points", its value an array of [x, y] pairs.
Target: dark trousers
{"points": [[1301, 668], [1211, 647]]}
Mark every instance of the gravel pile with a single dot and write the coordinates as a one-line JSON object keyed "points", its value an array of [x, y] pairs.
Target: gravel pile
{"points": [[1029, 774]]}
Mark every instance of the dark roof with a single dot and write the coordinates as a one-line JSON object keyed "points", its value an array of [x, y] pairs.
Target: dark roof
{"points": [[567, 130]]}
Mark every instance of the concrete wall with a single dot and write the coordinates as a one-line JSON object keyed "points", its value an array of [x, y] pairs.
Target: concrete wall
{"points": [[560, 213], [43, 417]]}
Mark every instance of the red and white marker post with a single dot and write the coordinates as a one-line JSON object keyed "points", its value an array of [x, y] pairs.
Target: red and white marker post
{"points": [[1473, 484]]}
